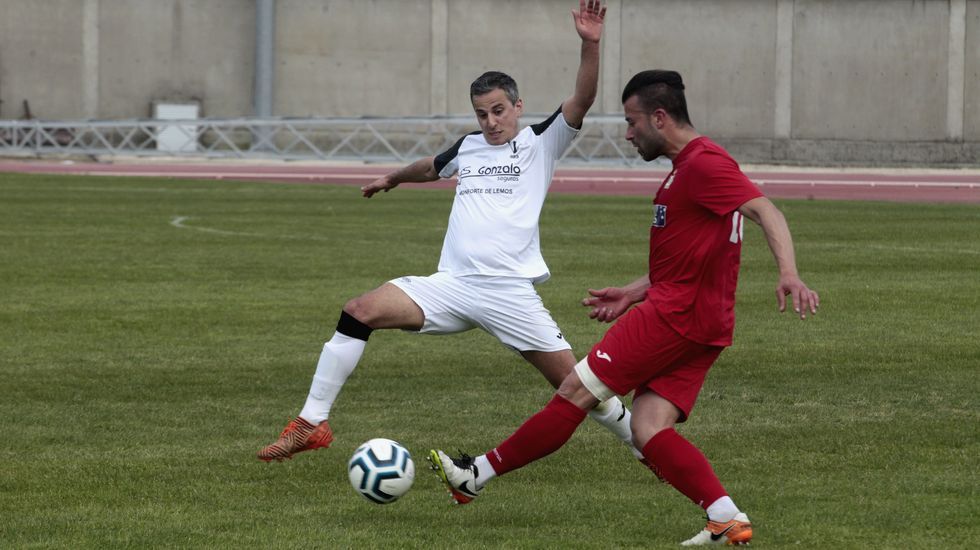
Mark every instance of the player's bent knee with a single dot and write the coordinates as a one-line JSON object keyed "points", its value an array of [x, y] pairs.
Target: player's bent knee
{"points": [[358, 308], [591, 383], [576, 394], [643, 433], [366, 308]]}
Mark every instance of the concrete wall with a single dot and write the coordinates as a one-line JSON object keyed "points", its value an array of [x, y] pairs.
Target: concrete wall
{"points": [[726, 52], [971, 90], [171, 50], [42, 58], [865, 81], [111, 58], [352, 57], [866, 69]]}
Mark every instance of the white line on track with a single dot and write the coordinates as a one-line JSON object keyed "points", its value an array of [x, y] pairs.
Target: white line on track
{"points": [[869, 183], [806, 182], [333, 176]]}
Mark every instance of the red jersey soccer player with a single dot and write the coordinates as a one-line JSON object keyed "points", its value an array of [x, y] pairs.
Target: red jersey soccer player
{"points": [[683, 318]]}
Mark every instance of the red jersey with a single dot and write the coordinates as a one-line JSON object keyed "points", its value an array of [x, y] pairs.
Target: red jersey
{"points": [[696, 242]]}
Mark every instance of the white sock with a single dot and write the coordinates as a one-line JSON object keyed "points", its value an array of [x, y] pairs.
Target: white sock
{"points": [[615, 417], [485, 471], [722, 510], [338, 359]]}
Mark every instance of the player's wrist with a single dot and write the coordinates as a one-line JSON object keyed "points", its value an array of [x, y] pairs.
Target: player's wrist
{"points": [[635, 295]]}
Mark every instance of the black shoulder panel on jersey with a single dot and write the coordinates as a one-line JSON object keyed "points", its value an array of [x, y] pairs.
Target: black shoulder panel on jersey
{"points": [[540, 127], [445, 157]]}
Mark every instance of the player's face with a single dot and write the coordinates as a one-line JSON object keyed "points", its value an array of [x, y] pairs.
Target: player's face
{"points": [[642, 132], [498, 117]]}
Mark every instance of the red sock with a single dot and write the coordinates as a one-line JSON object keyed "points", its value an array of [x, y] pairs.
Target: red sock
{"points": [[684, 466], [539, 436]]}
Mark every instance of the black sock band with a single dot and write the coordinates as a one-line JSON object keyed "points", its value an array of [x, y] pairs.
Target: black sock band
{"points": [[349, 326]]}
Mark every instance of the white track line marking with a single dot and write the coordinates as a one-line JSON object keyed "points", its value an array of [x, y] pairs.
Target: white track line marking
{"points": [[869, 183], [652, 178], [806, 182]]}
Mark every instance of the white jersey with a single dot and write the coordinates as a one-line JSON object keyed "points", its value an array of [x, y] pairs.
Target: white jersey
{"points": [[500, 190]]}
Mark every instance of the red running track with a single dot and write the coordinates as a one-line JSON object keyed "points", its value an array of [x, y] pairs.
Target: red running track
{"points": [[961, 186]]}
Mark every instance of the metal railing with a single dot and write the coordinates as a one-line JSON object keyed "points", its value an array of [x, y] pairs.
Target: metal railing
{"points": [[343, 139]]}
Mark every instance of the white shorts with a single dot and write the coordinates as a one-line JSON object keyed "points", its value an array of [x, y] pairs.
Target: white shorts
{"points": [[507, 307]]}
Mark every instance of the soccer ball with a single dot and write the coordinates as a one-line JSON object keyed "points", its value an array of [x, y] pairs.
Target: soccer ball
{"points": [[381, 470]]}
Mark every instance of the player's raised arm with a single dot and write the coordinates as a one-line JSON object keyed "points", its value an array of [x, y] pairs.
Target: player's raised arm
{"points": [[588, 23], [419, 171], [763, 212]]}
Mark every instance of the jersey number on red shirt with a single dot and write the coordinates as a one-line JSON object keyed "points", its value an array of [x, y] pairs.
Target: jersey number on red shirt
{"points": [[738, 226]]}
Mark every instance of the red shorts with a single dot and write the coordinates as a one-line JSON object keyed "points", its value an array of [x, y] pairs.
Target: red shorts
{"points": [[642, 352]]}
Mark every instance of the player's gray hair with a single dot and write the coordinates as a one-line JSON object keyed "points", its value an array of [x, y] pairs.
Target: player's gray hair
{"points": [[493, 80]]}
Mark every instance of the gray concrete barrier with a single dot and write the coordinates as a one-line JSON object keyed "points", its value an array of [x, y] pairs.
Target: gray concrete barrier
{"points": [[795, 81]]}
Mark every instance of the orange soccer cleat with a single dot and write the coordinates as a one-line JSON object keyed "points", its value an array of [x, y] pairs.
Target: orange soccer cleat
{"points": [[737, 531], [298, 436]]}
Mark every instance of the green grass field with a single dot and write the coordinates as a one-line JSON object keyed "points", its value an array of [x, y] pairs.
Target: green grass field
{"points": [[156, 333]]}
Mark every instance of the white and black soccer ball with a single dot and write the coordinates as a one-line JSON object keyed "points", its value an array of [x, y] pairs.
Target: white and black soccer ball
{"points": [[381, 470]]}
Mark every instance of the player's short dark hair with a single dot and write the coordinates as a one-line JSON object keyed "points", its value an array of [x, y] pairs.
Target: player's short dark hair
{"points": [[659, 89], [492, 80]]}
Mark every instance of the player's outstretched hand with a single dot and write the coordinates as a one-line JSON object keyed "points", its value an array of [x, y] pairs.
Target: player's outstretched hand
{"points": [[380, 184], [588, 19], [803, 298], [607, 303]]}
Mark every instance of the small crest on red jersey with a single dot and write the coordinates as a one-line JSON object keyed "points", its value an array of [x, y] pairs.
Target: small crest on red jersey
{"points": [[659, 215]]}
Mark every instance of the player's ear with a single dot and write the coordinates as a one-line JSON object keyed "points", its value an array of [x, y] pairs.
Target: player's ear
{"points": [[519, 106]]}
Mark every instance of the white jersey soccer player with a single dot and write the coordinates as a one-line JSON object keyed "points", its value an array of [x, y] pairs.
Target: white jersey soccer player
{"points": [[493, 227], [491, 257]]}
